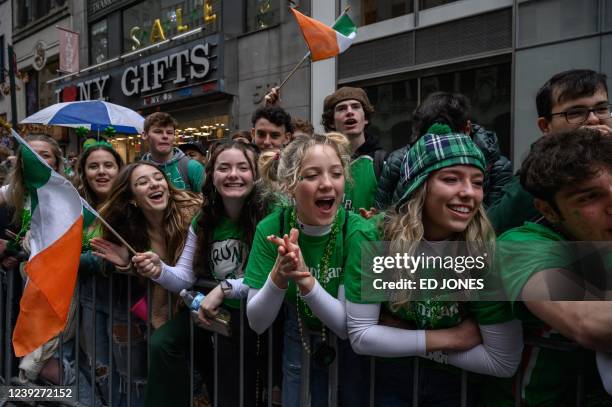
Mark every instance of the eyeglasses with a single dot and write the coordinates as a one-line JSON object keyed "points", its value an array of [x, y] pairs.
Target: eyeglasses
{"points": [[579, 115]]}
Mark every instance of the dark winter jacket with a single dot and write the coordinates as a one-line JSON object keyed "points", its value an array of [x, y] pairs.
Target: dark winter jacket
{"points": [[499, 170], [371, 148]]}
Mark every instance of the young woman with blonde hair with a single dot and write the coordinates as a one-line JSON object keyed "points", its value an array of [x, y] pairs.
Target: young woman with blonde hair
{"points": [[300, 254], [440, 209]]}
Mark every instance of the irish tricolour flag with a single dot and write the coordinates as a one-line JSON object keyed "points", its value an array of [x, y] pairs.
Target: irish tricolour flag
{"points": [[55, 242], [324, 41]]}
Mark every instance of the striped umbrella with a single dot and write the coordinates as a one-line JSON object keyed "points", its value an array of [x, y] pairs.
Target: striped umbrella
{"points": [[95, 115]]}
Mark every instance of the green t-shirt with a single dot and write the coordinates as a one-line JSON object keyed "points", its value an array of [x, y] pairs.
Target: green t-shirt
{"points": [[228, 252], [549, 375], [346, 255], [361, 191]]}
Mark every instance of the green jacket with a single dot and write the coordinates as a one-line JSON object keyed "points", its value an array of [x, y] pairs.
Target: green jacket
{"points": [[514, 208], [183, 172]]}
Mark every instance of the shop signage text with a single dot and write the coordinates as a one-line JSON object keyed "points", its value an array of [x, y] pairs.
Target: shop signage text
{"points": [[150, 75], [190, 70]]}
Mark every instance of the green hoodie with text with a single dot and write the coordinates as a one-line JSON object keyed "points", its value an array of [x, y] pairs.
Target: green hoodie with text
{"points": [[175, 167]]}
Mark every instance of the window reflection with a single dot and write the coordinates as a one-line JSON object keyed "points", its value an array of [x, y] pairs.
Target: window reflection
{"points": [[364, 12], [425, 4], [99, 42], [262, 14], [487, 88], [393, 105], [140, 27]]}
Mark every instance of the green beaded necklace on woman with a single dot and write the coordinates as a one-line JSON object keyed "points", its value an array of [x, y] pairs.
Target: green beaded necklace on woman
{"points": [[324, 354]]}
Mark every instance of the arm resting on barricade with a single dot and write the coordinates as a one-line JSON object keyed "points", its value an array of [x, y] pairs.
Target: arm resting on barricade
{"points": [[588, 323], [498, 355], [331, 311], [263, 305], [369, 338]]}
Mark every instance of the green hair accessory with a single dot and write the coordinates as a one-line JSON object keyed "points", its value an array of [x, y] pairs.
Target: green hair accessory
{"points": [[91, 142]]}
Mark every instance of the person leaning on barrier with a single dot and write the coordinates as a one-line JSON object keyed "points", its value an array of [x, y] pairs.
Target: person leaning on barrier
{"points": [[569, 100], [152, 215], [300, 253], [217, 247], [441, 181], [570, 176]]}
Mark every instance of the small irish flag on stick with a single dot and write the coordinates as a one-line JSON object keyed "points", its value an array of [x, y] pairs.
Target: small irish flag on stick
{"points": [[324, 41], [55, 242]]}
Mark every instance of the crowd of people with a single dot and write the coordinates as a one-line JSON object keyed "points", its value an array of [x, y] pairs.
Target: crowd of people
{"points": [[278, 218]]}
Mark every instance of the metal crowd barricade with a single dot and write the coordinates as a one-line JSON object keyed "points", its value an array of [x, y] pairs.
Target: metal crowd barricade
{"points": [[8, 363]]}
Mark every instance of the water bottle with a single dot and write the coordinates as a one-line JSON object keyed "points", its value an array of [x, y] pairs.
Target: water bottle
{"points": [[192, 299], [221, 323]]}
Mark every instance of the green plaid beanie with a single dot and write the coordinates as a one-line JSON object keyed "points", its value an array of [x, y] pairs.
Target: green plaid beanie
{"points": [[439, 148]]}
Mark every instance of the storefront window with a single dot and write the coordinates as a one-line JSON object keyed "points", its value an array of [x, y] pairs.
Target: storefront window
{"points": [[393, 104], [488, 90], [425, 4], [129, 147], [99, 42], [27, 11], [262, 14], [152, 20], [206, 129], [364, 12], [31, 92], [46, 91]]}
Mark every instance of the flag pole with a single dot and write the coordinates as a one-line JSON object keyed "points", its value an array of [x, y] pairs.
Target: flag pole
{"points": [[117, 235], [295, 68]]}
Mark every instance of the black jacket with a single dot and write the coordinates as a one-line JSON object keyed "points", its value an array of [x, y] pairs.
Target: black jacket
{"points": [[371, 148], [498, 172]]}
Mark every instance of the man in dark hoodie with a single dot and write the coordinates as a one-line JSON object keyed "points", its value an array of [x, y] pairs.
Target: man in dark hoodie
{"points": [[183, 172], [348, 111]]}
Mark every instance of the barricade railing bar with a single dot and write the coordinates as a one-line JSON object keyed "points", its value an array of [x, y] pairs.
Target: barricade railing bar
{"points": [[96, 381]]}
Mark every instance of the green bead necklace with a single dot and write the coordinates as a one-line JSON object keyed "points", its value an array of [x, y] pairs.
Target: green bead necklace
{"points": [[323, 274]]}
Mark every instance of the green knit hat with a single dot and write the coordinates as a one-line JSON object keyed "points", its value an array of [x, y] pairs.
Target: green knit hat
{"points": [[439, 148]]}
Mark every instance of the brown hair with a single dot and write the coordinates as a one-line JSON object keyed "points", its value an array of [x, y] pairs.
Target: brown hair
{"points": [[160, 119], [81, 183], [130, 222], [212, 210], [242, 133], [302, 125]]}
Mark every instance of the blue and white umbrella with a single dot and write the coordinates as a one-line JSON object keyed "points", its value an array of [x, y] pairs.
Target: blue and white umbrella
{"points": [[93, 114]]}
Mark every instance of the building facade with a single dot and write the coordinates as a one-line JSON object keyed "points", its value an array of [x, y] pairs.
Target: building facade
{"points": [[210, 62], [496, 52], [6, 32], [207, 62]]}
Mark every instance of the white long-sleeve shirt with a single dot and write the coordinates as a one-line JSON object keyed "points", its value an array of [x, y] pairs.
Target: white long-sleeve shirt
{"points": [[498, 355]]}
